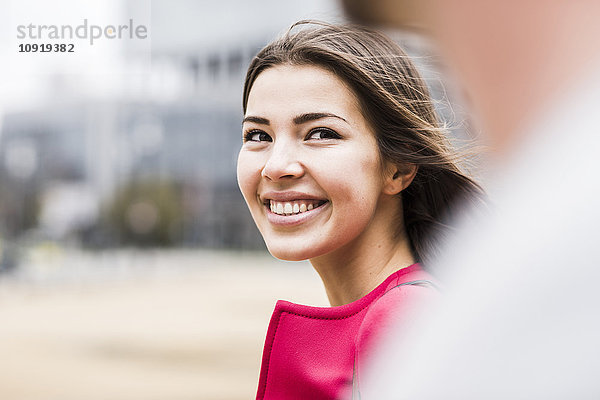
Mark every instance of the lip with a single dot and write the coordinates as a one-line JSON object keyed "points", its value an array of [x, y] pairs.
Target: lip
{"points": [[295, 219]]}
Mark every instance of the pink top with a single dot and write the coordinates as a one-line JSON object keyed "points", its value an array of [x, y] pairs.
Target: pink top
{"points": [[312, 352]]}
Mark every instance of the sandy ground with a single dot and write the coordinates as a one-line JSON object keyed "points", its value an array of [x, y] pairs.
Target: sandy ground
{"points": [[126, 325]]}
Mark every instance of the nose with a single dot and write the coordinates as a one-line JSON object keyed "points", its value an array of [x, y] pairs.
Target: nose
{"points": [[283, 163]]}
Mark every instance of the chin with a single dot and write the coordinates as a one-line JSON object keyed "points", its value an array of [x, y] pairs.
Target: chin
{"points": [[292, 253]]}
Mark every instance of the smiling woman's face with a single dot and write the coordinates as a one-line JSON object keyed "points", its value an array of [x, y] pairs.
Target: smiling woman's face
{"points": [[309, 168]]}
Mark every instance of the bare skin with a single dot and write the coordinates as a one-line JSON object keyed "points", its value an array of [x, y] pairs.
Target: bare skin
{"points": [[350, 277]]}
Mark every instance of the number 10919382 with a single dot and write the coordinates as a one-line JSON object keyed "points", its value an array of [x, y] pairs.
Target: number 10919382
{"points": [[46, 48]]}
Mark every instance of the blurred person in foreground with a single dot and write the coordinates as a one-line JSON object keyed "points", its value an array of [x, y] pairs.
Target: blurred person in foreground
{"points": [[343, 163], [521, 313]]}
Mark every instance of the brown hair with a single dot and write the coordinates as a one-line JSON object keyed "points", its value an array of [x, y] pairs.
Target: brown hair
{"points": [[396, 102]]}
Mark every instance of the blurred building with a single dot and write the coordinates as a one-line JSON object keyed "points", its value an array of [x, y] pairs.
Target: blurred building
{"points": [[72, 165]]}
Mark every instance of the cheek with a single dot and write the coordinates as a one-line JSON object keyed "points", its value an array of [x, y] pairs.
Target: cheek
{"points": [[357, 179], [248, 174]]}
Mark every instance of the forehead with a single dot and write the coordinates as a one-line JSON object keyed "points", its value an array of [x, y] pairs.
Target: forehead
{"points": [[296, 89]]}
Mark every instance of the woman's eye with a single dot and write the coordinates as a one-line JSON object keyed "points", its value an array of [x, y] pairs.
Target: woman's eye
{"points": [[322, 133], [257, 136]]}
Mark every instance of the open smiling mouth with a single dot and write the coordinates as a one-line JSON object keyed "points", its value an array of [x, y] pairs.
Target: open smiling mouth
{"points": [[293, 207]]}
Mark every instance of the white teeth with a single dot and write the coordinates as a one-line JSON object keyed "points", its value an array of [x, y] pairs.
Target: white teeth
{"points": [[293, 207]]}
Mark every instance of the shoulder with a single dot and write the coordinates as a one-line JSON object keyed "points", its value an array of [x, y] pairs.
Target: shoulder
{"points": [[397, 307], [394, 313], [403, 297]]}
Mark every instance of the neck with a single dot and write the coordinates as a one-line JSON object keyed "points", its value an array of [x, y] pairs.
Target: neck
{"points": [[354, 270]]}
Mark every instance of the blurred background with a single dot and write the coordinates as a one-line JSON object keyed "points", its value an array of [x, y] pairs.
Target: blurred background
{"points": [[130, 267]]}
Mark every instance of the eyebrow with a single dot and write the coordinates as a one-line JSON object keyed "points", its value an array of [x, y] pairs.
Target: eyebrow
{"points": [[300, 119]]}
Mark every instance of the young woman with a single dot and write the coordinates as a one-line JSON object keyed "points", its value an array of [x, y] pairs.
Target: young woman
{"points": [[343, 163]]}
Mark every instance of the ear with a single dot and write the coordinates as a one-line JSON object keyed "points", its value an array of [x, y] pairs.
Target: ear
{"points": [[398, 177]]}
